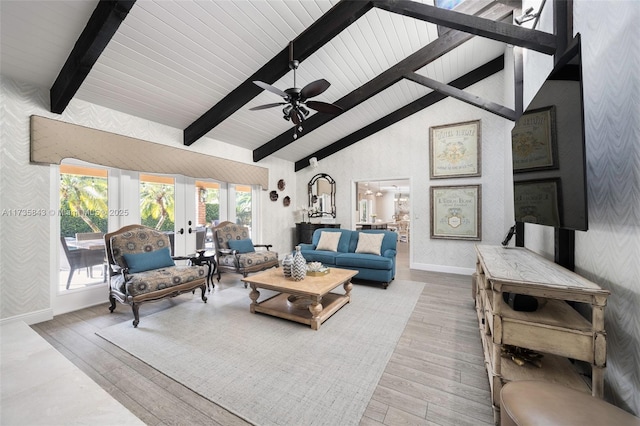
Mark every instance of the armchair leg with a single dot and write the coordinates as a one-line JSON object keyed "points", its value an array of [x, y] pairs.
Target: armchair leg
{"points": [[136, 317], [112, 300], [204, 289]]}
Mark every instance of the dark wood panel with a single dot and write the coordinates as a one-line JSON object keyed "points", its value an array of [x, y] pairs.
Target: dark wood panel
{"points": [[313, 38], [466, 80], [463, 96], [103, 24], [429, 53], [495, 30]]}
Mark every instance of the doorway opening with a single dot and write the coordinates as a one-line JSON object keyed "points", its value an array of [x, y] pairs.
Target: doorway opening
{"points": [[385, 204]]}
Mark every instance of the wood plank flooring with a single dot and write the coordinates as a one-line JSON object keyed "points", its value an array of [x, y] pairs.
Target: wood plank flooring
{"points": [[436, 375]]}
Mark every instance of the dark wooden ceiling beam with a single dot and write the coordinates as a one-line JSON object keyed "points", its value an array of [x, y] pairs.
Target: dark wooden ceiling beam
{"points": [[466, 80], [102, 25], [429, 53], [313, 38], [495, 30], [463, 96]]}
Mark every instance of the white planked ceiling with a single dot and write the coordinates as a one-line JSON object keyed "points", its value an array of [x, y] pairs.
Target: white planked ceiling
{"points": [[171, 61]]}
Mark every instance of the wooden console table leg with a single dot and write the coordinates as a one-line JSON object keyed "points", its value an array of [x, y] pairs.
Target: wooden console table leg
{"points": [[600, 346], [315, 308], [254, 295]]}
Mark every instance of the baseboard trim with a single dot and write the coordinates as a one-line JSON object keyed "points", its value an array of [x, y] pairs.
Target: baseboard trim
{"points": [[441, 268], [34, 317]]}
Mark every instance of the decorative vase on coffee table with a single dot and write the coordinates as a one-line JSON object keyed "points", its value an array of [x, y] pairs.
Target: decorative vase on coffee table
{"points": [[287, 263], [299, 266]]}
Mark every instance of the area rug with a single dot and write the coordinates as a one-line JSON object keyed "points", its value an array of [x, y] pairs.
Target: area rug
{"points": [[271, 371]]}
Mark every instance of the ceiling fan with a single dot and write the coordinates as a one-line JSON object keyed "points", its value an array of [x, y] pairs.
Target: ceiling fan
{"points": [[296, 103]]}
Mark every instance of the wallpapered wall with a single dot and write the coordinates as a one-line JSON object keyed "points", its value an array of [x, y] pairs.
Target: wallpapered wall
{"points": [[26, 242], [608, 253], [402, 151]]}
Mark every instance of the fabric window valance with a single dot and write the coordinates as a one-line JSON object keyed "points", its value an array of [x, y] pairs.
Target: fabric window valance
{"points": [[52, 141]]}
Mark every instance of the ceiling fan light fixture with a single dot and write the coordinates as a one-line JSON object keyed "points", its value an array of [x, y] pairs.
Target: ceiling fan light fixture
{"points": [[297, 108]]}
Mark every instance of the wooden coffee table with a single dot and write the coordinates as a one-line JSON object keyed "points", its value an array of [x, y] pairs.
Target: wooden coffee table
{"points": [[308, 301]]}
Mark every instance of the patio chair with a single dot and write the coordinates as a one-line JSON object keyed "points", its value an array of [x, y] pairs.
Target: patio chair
{"points": [[237, 253], [79, 258], [88, 236]]}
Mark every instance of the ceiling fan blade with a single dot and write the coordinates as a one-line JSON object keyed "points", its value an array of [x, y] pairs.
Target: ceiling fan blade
{"points": [[271, 89], [267, 106], [324, 107], [295, 116], [314, 88]]}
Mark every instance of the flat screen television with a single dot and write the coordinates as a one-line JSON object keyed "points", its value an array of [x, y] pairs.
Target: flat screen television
{"points": [[548, 150]]}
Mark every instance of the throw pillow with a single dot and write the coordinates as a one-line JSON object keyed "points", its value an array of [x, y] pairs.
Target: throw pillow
{"points": [[369, 243], [140, 262], [242, 246], [329, 241]]}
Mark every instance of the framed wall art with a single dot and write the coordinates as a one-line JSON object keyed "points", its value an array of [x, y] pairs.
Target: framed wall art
{"points": [[538, 201], [455, 150], [533, 141], [456, 212]]}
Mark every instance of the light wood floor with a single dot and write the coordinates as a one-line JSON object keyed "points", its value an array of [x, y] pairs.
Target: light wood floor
{"points": [[435, 376]]}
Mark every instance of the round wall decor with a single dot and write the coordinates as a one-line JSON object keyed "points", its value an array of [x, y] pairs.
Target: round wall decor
{"points": [[273, 195], [281, 184], [286, 201]]}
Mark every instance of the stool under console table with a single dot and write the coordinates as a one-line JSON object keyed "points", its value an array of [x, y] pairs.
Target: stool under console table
{"points": [[555, 329]]}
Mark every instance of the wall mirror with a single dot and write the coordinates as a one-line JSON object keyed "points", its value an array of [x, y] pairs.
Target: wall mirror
{"points": [[322, 196]]}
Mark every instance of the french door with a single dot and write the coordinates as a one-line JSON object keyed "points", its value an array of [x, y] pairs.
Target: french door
{"points": [[93, 200], [90, 201]]}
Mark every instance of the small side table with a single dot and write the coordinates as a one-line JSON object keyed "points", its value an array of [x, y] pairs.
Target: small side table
{"points": [[201, 258]]}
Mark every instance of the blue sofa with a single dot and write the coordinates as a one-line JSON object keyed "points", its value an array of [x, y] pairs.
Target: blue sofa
{"points": [[370, 267]]}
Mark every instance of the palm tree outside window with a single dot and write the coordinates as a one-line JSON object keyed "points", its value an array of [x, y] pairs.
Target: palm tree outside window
{"points": [[82, 210]]}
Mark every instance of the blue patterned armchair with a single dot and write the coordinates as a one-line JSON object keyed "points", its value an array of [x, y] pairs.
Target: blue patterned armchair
{"points": [[141, 269], [237, 253]]}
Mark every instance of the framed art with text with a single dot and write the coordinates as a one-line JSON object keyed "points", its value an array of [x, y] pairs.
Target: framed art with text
{"points": [[537, 201], [456, 212], [533, 141], [455, 150]]}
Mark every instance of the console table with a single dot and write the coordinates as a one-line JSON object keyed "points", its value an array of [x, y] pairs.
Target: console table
{"points": [[304, 230], [555, 329]]}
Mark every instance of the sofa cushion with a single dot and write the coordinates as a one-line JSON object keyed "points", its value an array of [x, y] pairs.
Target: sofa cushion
{"points": [[369, 243], [248, 260], [242, 246], [322, 256], [145, 261], [359, 260], [329, 241], [158, 279], [345, 237]]}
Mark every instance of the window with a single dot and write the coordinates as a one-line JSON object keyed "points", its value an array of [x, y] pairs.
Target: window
{"points": [[208, 203], [83, 216], [243, 205], [157, 202]]}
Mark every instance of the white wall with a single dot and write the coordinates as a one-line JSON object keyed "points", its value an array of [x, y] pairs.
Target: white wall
{"points": [[402, 151], [608, 252], [27, 246]]}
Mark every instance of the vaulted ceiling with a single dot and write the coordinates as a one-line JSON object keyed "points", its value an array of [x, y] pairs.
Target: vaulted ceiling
{"points": [[190, 64]]}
